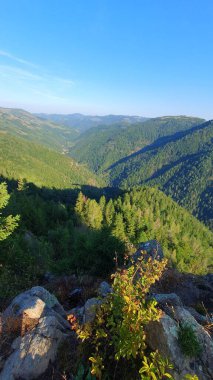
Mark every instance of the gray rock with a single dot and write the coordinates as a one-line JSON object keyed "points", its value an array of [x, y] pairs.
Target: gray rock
{"points": [[104, 289], [34, 303], [49, 299], [34, 351], [162, 335], [170, 299], [90, 308], [149, 249], [31, 354], [201, 319], [206, 355], [32, 306]]}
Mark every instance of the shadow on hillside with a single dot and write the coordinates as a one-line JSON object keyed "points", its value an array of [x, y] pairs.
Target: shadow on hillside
{"points": [[67, 196], [160, 142], [52, 238], [48, 231]]}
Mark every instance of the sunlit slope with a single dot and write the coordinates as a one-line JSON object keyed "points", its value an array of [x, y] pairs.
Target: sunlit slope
{"points": [[29, 127], [40, 165], [102, 146]]}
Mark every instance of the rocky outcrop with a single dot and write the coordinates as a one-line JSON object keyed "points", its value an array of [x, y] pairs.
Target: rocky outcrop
{"points": [[149, 249], [41, 327], [90, 309], [37, 324], [87, 312], [193, 290], [170, 299], [163, 336]]}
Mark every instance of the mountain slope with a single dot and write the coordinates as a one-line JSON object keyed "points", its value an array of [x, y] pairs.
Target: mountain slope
{"points": [[181, 165], [101, 147], [40, 165], [23, 124], [146, 213], [84, 122]]}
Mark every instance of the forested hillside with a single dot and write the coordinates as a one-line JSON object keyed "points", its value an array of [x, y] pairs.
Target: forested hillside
{"points": [[23, 124], [181, 166], [101, 147], [44, 167], [85, 235], [171, 152]]}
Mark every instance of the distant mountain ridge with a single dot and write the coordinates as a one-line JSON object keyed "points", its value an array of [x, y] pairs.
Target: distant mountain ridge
{"points": [[23, 124], [84, 122]]}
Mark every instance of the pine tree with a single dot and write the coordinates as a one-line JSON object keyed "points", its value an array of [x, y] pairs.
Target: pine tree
{"points": [[109, 212], [102, 203], [80, 206], [118, 228], [7, 223], [93, 214]]}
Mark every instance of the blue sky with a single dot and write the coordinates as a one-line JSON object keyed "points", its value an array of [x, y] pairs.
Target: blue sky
{"points": [[144, 57]]}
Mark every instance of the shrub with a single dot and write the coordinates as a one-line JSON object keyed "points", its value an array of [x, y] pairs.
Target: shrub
{"points": [[188, 341], [116, 338]]}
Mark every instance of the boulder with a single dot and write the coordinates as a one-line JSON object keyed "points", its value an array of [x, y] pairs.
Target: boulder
{"points": [[35, 303], [162, 335], [206, 342], [31, 353], [90, 308], [34, 351], [201, 319], [170, 299], [104, 289]]}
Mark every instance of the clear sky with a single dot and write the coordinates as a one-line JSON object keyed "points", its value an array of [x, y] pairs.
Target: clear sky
{"points": [[143, 57]]}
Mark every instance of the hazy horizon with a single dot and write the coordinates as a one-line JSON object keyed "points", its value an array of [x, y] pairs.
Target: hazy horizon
{"points": [[101, 115], [130, 58]]}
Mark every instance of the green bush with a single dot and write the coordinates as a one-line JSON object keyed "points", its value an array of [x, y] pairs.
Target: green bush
{"points": [[188, 341], [115, 342]]}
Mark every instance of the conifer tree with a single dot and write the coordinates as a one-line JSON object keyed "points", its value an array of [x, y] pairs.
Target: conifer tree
{"points": [[118, 229], [109, 212], [7, 223], [80, 206], [102, 203], [93, 214]]}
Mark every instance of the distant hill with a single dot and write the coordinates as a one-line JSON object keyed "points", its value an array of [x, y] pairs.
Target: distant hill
{"points": [[84, 122], [42, 166], [180, 164], [102, 146], [23, 124]]}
